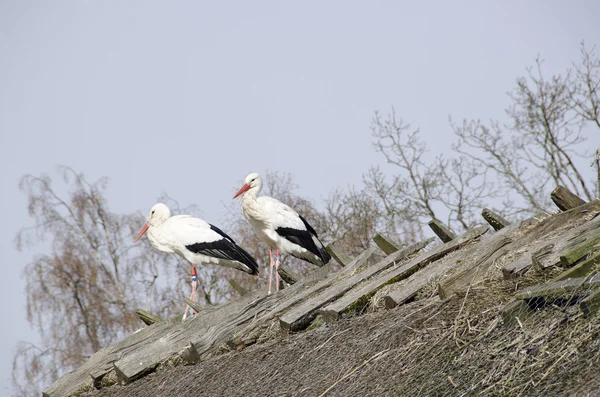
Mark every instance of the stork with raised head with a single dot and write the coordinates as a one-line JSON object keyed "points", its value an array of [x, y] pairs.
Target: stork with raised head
{"points": [[195, 240], [280, 227]]}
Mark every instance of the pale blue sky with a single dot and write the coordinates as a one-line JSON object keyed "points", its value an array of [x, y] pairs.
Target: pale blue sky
{"points": [[188, 97]]}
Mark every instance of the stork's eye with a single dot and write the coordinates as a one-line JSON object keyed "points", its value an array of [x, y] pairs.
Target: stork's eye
{"points": [[152, 212]]}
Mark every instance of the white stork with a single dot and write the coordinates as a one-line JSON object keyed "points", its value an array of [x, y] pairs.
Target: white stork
{"points": [[280, 227], [196, 241]]}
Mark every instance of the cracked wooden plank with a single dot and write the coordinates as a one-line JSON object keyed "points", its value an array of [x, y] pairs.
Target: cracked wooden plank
{"points": [[356, 298], [489, 250], [101, 363], [565, 199], [147, 317], [547, 252], [205, 331], [582, 268], [441, 230], [496, 221], [563, 288], [238, 288], [337, 254], [309, 286], [388, 246], [299, 317]]}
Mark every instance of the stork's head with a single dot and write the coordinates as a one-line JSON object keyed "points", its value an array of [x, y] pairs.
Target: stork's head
{"points": [[252, 181], [157, 215]]}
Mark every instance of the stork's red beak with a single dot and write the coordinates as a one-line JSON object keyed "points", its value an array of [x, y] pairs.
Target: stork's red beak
{"points": [[144, 230], [242, 190]]}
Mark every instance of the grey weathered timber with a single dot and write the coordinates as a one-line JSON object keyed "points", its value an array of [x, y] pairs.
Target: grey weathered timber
{"points": [[565, 199], [488, 252], [357, 297], [547, 252], [402, 291], [495, 220], [312, 284], [590, 305], [102, 361], [583, 268], [570, 287], [514, 312], [319, 273], [287, 274], [300, 317], [358, 263], [337, 254], [388, 246], [206, 331], [147, 317], [581, 251], [441, 230], [238, 288]]}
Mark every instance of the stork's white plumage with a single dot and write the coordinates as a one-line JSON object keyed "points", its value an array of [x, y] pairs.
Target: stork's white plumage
{"points": [[196, 241], [280, 227]]}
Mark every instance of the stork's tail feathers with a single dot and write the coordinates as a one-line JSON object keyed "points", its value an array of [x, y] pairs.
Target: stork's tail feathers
{"points": [[325, 257], [251, 267], [323, 254]]}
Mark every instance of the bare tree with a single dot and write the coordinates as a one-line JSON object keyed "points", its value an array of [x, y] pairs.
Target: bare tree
{"points": [[351, 218], [542, 146], [421, 190]]}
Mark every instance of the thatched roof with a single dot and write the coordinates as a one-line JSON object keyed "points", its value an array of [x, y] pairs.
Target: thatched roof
{"points": [[509, 312]]}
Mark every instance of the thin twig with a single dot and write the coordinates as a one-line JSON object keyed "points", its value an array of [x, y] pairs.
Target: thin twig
{"points": [[352, 372], [330, 338]]}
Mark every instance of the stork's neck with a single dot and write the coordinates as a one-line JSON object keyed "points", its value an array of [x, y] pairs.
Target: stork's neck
{"points": [[251, 195], [158, 239]]}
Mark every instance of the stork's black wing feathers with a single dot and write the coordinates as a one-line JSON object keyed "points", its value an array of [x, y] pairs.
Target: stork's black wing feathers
{"points": [[323, 254], [225, 248], [308, 226]]}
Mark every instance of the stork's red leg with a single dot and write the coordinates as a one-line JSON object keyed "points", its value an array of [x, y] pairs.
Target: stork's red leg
{"points": [[193, 294], [270, 270], [277, 255]]}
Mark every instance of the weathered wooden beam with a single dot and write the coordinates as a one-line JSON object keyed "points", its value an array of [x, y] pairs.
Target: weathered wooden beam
{"points": [[311, 285], [583, 268], [101, 363], [147, 317], [583, 250], [496, 221], [460, 281], [287, 275], [548, 246], [190, 354], [356, 299], [194, 305], [337, 254], [300, 317], [206, 331], [320, 273], [565, 199], [590, 305], [562, 288], [514, 312], [237, 287], [388, 246], [441, 230], [358, 264]]}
